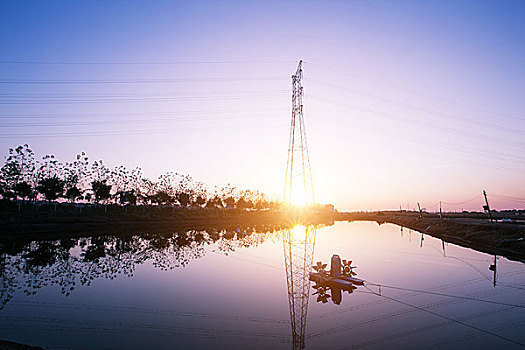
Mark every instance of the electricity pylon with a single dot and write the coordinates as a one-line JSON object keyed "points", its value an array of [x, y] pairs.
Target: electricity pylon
{"points": [[298, 242], [298, 186]]}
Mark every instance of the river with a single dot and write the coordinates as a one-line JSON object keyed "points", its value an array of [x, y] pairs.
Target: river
{"points": [[225, 289]]}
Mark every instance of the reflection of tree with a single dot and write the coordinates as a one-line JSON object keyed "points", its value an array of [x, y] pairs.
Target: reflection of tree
{"points": [[242, 238], [69, 262], [7, 280]]}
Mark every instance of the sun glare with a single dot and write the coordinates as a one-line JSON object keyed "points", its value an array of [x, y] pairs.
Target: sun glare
{"points": [[299, 232], [299, 199]]}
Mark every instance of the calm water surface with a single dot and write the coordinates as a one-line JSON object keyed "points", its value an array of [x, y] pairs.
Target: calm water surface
{"points": [[228, 289]]}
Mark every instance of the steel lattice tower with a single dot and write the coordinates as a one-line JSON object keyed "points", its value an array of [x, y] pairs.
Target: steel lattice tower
{"points": [[298, 242], [298, 187]]}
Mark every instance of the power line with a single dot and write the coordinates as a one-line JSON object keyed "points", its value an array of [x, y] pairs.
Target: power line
{"points": [[100, 325], [135, 63], [447, 295], [134, 81], [506, 197], [123, 114], [392, 315], [465, 201], [109, 133], [448, 318], [415, 92], [68, 95], [442, 145], [127, 100], [252, 261], [462, 283], [423, 328], [436, 127], [465, 149], [475, 163], [118, 122], [141, 310], [449, 115], [502, 327]]}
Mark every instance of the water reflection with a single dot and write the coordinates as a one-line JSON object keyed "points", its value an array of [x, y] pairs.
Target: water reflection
{"points": [[341, 278], [298, 244], [70, 262], [299, 248], [242, 298]]}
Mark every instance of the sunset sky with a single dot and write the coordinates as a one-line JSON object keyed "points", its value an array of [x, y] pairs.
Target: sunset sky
{"points": [[405, 101]]}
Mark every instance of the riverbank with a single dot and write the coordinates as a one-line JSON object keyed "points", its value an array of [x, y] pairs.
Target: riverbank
{"points": [[34, 220], [498, 238], [471, 230]]}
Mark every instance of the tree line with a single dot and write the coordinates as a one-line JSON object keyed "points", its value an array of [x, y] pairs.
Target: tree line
{"points": [[25, 178]]}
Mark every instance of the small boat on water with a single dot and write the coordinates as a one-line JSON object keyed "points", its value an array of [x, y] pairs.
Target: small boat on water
{"points": [[341, 281], [340, 278], [341, 273]]}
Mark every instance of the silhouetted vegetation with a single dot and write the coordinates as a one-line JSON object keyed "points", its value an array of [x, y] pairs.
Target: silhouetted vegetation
{"points": [[24, 178]]}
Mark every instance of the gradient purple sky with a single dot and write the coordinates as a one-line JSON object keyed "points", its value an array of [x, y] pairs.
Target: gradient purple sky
{"points": [[405, 101]]}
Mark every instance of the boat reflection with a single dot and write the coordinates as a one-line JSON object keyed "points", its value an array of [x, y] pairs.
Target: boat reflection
{"points": [[337, 293], [341, 278]]}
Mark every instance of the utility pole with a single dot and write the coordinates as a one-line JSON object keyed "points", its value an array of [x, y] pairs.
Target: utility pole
{"points": [[486, 207], [420, 212], [440, 212]]}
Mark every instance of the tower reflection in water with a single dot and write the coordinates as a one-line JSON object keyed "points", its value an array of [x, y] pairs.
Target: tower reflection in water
{"points": [[298, 246]]}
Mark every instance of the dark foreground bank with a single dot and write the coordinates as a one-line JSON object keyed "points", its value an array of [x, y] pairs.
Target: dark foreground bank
{"points": [[9, 345]]}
